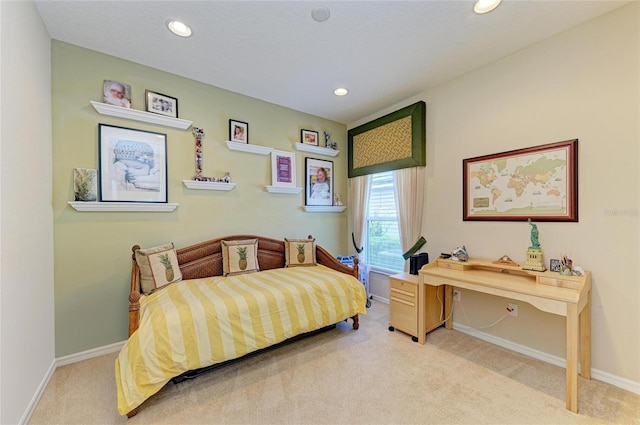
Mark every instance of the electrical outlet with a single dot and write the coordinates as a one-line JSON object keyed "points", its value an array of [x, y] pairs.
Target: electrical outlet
{"points": [[513, 309], [456, 295]]}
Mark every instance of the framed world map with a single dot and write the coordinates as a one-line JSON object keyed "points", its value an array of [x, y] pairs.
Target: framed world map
{"points": [[538, 183]]}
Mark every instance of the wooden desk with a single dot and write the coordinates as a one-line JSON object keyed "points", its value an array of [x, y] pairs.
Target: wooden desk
{"points": [[568, 296]]}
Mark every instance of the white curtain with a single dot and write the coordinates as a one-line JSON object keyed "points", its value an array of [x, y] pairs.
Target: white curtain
{"points": [[358, 197], [410, 186]]}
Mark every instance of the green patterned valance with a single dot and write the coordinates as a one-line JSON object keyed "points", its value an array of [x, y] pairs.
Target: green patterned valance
{"points": [[394, 141]]}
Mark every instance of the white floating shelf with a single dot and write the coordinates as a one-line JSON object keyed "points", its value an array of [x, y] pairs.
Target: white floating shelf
{"points": [[279, 189], [323, 208], [315, 149], [122, 206], [245, 147], [134, 114], [195, 184]]}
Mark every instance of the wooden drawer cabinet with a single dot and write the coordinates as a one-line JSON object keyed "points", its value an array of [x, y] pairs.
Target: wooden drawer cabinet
{"points": [[403, 305]]}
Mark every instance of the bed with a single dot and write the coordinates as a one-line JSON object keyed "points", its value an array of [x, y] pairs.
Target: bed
{"points": [[224, 299]]}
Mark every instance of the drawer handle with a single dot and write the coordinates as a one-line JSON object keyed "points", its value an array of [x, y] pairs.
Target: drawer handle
{"points": [[398, 300], [400, 291]]}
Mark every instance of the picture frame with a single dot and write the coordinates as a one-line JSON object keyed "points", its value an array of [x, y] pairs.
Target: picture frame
{"points": [[283, 169], [132, 165], [538, 183], [85, 184], [554, 265], [309, 137], [318, 190], [391, 142], [238, 131], [158, 103], [116, 93]]}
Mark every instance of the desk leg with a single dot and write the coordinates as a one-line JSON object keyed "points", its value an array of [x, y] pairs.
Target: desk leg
{"points": [[422, 335], [572, 357], [448, 304], [585, 339]]}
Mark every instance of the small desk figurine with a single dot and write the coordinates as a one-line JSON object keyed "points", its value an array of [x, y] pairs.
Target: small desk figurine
{"points": [[535, 260], [460, 254]]}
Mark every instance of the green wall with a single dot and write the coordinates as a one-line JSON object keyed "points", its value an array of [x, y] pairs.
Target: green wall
{"points": [[93, 249]]}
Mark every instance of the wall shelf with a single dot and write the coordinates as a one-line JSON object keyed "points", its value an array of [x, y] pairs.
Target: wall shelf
{"points": [[315, 149], [122, 206], [195, 184], [245, 147], [324, 208], [279, 189], [134, 114]]}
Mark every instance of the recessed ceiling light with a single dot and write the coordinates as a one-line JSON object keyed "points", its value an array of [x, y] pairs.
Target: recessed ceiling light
{"points": [[178, 28], [484, 6], [341, 92], [320, 13]]}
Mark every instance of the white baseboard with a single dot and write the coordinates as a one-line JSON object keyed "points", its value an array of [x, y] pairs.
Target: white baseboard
{"points": [[379, 298], [625, 384], [89, 354], [26, 416], [72, 358]]}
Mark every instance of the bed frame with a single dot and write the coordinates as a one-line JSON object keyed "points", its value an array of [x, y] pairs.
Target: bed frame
{"points": [[205, 260]]}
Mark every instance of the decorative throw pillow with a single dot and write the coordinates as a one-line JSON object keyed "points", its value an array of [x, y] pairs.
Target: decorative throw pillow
{"points": [[158, 267], [239, 257], [299, 252]]}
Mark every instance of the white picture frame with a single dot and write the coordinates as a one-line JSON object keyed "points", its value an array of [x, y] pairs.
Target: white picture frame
{"points": [[283, 169]]}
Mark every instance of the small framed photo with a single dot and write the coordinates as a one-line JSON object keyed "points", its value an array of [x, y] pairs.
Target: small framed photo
{"points": [[238, 131], [116, 93], [318, 182], [554, 265], [283, 169], [309, 137], [162, 104], [133, 165]]}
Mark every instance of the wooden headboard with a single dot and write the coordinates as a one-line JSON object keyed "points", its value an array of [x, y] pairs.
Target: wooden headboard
{"points": [[204, 259]]}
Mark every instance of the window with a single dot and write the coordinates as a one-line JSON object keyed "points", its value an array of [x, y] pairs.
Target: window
{"points": [[383, 251]]}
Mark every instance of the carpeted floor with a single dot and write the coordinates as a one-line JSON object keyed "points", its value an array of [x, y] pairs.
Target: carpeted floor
{"points": [[369, 376]]}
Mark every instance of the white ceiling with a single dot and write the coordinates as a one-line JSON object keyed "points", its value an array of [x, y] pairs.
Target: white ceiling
{"points": [[382, 51]]}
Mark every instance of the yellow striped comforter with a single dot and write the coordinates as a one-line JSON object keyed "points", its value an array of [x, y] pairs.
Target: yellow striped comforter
{"points": [[200, 322]]}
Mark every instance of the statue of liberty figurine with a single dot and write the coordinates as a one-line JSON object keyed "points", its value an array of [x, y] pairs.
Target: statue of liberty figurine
{"points": [[534, 236], [534, 253]]}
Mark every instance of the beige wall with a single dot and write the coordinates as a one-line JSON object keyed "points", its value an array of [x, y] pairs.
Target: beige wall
{"points": [[584, 84], [26, 218], [92, 249]]}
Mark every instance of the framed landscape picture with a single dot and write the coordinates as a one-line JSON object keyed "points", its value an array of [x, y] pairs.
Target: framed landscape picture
{"points": [[538, 183], [162, 104], [133, 165]]}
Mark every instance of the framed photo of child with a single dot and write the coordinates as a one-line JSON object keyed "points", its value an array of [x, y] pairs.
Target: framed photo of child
{"points": [[309, 137], [238, 131], [318, 182], [133, 165], [116, 93]]}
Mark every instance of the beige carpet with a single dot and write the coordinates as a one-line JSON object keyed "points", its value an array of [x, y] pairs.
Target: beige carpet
{"points": [[369, 376]]}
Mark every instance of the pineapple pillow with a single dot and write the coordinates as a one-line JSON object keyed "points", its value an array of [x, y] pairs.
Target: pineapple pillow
{"points": [[239, 257], [299, 252], [158, 267]]}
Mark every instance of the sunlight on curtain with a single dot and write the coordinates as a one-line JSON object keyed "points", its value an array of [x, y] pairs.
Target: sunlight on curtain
{"points": [[410, 187]]}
